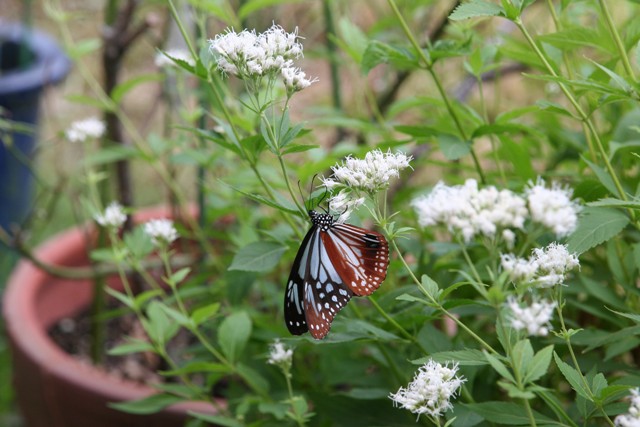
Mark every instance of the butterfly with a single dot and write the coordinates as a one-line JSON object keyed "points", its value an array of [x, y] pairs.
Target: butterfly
{"points": [[335, 262]]}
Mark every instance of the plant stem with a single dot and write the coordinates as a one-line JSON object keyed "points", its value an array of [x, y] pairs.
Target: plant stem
{"points": [[583, 116], [616, 38], [443, 94]]}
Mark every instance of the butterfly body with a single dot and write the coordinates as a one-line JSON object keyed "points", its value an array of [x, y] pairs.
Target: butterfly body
{"points": [[334, 263]]}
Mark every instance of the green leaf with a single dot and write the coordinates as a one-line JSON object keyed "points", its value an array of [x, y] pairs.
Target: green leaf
{"points": [[274, 204], [111, 154], [499, 367], [147, 405], [539, 365], [202, 314], [476, 9], [603, 176], [430, 287], [198, 367], [453, 147], [138, 242], [378, 53], [178, 276], [299, 148], [468, 357], [506, 413], [258, 257], [217, 420], [132, 345], [121, 89], [596, 225], [96, 102], [123, 298], [253, 378], [233, 334], [158, 325], [253, 6], [572, 376], [522, 356]]}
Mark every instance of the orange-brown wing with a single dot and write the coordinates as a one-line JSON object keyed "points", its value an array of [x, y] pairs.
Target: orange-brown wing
{"points": [[360, 257]]}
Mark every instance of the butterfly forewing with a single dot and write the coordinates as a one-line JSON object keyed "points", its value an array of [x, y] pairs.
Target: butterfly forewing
{"points": [[334, 262]]}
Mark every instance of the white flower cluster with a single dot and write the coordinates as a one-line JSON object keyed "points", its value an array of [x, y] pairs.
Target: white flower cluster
{"points": [[368, 175], [344, 204], [553, 207], [431, 390], [470, 211], [80, 131], [164, 59], [545, 268], [357, 177], [534, 318], [631, 418], [280, 355], [248, 55], [112, 217], [161, 231]]}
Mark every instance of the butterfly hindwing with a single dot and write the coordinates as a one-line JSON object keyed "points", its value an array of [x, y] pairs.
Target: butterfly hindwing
{"points": [[361, 256]]}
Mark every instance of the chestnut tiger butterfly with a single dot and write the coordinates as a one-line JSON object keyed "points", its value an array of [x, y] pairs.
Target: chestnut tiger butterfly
{"points": [[335, 262]]}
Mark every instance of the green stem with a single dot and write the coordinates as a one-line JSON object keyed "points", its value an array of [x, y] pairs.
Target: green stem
{"points": [[439, 306], [583, 116], [616, 38], [443, 94]]}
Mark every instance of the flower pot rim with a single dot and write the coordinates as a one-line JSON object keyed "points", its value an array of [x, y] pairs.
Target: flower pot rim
{"points": [[24, 328], [50, 64]]}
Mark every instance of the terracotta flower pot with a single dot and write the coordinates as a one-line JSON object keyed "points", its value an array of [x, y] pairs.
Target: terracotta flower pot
{"points": [[54, 389]]}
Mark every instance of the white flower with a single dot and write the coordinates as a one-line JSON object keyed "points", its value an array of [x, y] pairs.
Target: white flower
{"points": [[161, 231], [164, 59], [81, 130], [113, 216], [534, 318], [344, 204], [553, 207], [295, 79], [632, 418], [430, 391], [470, 211], [370, 174], [545, 268], [280, 355], [251, 55]]}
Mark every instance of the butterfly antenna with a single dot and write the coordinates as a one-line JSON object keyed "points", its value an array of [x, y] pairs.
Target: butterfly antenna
{"points": [[324, 196], [304, 201]]}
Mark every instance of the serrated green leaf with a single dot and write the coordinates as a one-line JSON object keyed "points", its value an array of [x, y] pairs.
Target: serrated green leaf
{"points": [[499, 367], [147, 405], [595, 226], [539, 365], [514, 392], [476, 9], [158, 325], [573, 377], [233, 334], [254, 378], [522, 356], [430, 287], [178, 276]]}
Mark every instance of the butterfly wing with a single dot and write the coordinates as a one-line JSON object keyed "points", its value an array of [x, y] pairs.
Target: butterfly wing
{"points": [[315, 291], [360, 256], [294, 295]]}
